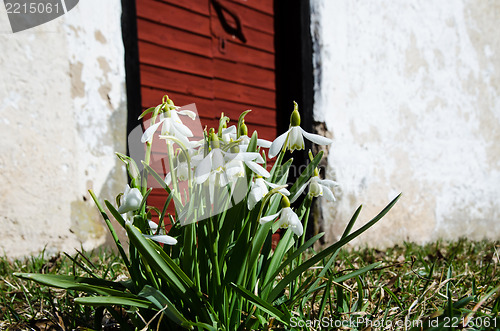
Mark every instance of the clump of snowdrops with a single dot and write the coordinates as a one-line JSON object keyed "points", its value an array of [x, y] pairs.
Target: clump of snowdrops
{"points": [[215, 267]]}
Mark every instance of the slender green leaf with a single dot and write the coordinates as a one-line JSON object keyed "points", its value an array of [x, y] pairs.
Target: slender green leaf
{"points": [[111, 301], [260, 303], [162, 302]]}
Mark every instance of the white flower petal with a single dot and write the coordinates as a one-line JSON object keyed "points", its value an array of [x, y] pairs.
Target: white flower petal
{"points": [[183, 130], [164, 239], [328, 182], [152, 225], [168, 179], [290, 220], [130, 201], [277, 145], [217, 159], [315, 138], [229, 130], [269, 218], [189, 113], [259, 170], [148, 134], [299, 191], [203, 169], [328, 194], [282, 188], [264, 143]]}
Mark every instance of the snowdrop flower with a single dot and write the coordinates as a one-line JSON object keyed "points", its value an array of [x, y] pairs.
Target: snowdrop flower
{"points": [[182, 168], [251, 160], [294, 137], [152, 225], [130, 200], [259, 189], [317, 187], [229, 135], [172, 125], [288, 218], [213, 163]]}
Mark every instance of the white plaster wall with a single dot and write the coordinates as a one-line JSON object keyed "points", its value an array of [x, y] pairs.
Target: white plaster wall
{"points": [[62, 117], [410, 91]]}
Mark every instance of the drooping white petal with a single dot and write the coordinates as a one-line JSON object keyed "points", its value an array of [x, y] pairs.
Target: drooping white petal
{"points": [[163, 238], [257, 192], [183, 130], [244, 156], [235, 169], [328, 182], [258, 169], [187, 112], [217, 159], [203, 169], [277, 145], [269, 218], [168, 179], [328, 194], [316, 138], [282, 187], [264, 143], [299, 191], [148, 134]]}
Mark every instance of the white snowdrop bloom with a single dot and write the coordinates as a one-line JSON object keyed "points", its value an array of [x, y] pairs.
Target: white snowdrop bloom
{"points": [[294, 139], [172, 125], [259, 189], [288, 219], [317, 187], [182, 172], [251, 160], [130, 200]]}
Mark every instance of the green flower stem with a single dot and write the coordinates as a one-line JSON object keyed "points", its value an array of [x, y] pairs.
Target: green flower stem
{"points": [[175, 185]]}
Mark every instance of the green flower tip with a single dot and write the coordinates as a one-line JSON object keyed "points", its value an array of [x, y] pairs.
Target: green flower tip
{"points": [[295, 117], [316, 172], [285, 203]]}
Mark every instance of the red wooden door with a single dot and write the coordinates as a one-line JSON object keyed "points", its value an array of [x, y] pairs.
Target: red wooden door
{"points": [[217, 54]]}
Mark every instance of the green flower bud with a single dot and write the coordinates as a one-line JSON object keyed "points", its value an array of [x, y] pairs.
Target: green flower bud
{"points": [[285, 203], [235, 149], [242, 130], [214, 139], [316, 172], [295, 117]]}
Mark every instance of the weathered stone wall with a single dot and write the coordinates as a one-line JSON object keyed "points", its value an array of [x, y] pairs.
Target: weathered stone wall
{"points": [[62, 117], [410, 92]]}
